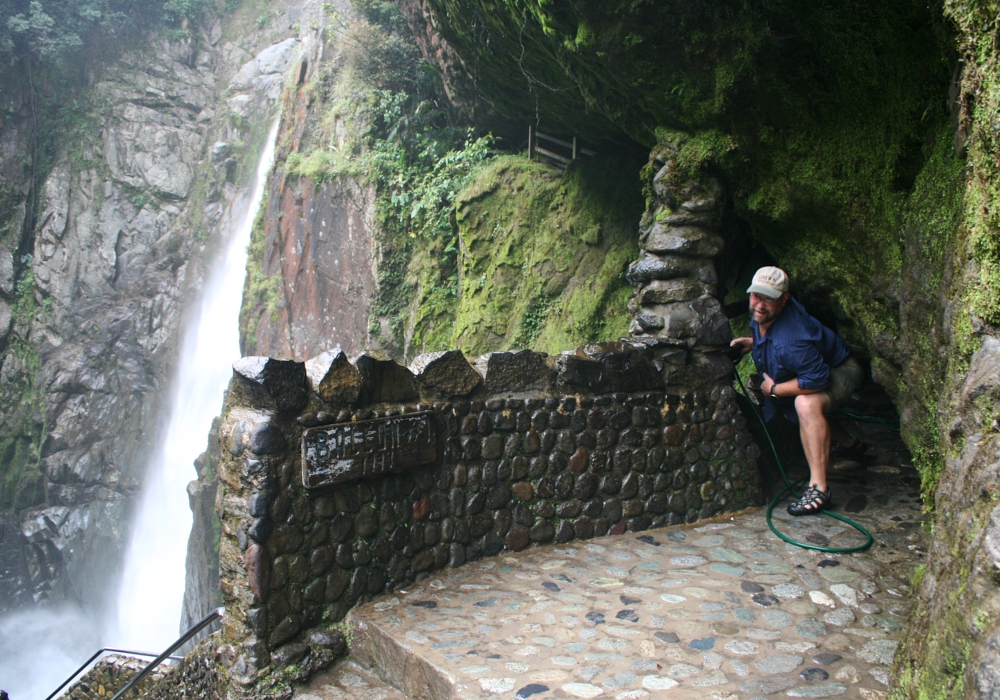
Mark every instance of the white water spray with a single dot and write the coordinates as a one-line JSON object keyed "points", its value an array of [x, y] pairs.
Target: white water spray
{"points": [[152, 591]]}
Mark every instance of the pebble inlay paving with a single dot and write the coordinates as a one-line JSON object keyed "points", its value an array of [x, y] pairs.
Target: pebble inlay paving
{"points": [[721, 610]]}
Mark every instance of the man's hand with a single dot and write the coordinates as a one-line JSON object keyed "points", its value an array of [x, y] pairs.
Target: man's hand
{"points": [[767, 386], [744, 345]]}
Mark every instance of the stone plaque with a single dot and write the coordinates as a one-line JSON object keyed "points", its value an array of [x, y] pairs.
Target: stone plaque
{"points": [[335, 453]]}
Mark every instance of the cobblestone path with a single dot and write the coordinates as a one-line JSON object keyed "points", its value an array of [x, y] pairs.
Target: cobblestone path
{"points": [[722, 609]]}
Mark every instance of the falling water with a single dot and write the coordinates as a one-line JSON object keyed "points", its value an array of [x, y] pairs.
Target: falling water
{"points": [[149, 603]]}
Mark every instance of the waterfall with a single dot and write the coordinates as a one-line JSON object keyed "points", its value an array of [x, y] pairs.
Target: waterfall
{"points": [[152, 590]]}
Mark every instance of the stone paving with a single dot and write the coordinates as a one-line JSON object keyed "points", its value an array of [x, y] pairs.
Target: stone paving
{"points": [[347, 681], [722, 609]]}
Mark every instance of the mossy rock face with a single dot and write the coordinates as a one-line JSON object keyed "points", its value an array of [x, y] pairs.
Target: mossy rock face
{"points": [[543, 255]]}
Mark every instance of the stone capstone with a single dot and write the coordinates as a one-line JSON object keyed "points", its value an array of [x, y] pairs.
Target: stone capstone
{"points": [[333, 378], [608, 367], [271, 383], [383, 380], [509, 372], [448, 372]]}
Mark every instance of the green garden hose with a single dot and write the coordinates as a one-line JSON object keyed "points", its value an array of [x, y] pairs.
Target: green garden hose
{"points": [[792, 489], [868, 419]]}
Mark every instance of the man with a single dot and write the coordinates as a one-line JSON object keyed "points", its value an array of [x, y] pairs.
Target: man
{"points": [[807, 371]]}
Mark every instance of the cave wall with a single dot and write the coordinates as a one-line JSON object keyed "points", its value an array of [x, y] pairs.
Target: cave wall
{"points": [[859, 148]]}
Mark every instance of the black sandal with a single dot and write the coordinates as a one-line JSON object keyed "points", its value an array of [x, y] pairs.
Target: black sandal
{"points": [[811, 502]]}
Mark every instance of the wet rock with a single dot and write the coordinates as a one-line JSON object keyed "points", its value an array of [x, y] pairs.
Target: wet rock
{"points": [[285, 630], [448, 373], [333, 378], [667, 267], [329, 639], [272, 384], [258, 565], [289, 654], [693, 241], [383, 380], [701, 367], [518, 539], [608, 367], [267, 439], [506, 372], [260, 530], [675, 290], [542, 531]]}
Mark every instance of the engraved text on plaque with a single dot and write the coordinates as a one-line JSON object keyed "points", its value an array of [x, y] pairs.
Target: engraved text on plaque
{"points": [[335, 453]]}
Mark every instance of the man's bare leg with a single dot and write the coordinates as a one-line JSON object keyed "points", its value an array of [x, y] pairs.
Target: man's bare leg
{"points": [[814, 430]]}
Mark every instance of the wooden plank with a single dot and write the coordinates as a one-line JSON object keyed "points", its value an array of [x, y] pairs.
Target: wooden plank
{"points": [[549, 154], [553, 139]]}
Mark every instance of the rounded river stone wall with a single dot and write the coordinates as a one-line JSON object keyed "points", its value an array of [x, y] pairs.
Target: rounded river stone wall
{"points": [[510, 471]]}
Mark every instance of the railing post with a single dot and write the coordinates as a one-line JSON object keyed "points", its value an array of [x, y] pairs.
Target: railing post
{"points": [[531, 142], [574, 149]]}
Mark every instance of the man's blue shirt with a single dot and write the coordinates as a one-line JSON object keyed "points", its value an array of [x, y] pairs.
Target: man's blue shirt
{"points": [[796, 345]]}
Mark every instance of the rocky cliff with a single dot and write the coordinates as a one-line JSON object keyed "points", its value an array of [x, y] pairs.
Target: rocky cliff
{"points": [[108, 233]]}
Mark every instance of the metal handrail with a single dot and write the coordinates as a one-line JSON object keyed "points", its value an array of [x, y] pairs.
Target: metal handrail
{"points": [[208, 619], [205, 622], [83, 667]]}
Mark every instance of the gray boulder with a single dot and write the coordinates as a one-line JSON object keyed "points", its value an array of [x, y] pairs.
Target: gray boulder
{"points": [[273, 384], [448, 373], [333, 378], [680, 289], [668, 267], [682, 240], [523, 370], [383, 380]]}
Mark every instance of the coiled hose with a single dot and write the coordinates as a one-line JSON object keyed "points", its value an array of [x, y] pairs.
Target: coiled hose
{"points": [[793, 489]]}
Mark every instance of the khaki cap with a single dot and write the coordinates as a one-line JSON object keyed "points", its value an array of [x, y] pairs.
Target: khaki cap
{"points": [[769, 281]]}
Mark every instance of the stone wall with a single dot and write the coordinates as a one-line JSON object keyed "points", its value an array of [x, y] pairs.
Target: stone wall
{"points": [[527, 449], [197, 675]]}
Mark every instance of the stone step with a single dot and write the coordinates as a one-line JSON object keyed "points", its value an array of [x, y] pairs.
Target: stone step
{"points": [[347, 681], [717, 610]]}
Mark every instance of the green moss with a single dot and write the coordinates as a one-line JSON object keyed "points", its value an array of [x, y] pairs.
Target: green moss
{"points": [[543, 255], [22, 423], [260, 290]]}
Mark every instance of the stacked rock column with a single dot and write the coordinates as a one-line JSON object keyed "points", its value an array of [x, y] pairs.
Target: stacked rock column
{"points": [[676, 309]]}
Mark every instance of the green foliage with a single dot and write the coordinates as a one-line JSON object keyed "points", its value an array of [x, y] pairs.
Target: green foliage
{"points": [[416, 153], [22, 424], [52, 32], [980, 111]]}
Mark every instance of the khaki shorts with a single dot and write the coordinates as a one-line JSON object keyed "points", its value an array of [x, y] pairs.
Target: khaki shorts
{"points": [[845, 379]]}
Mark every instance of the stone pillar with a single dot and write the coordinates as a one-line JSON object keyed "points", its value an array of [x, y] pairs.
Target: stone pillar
{"points": [[676, 309]]}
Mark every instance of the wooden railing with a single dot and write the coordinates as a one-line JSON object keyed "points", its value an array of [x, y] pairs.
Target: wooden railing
{"points": [[560, 159]]}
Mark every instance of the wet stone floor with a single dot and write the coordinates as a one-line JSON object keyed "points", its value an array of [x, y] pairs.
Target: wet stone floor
{"points": [[720, 609]]}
